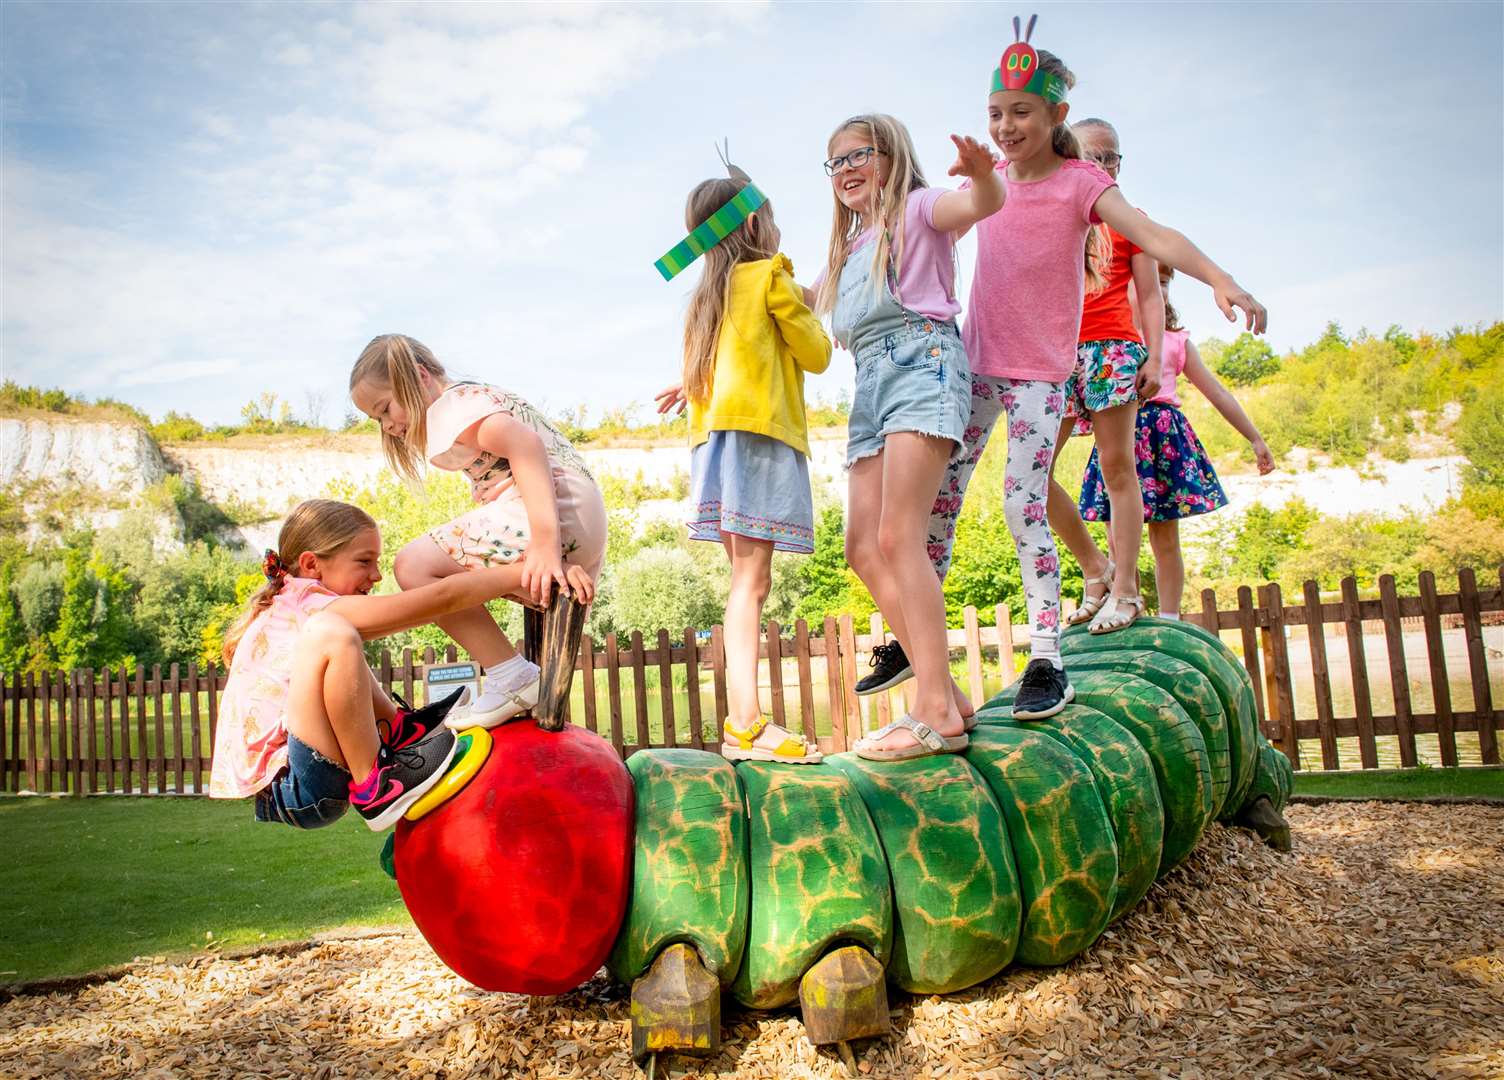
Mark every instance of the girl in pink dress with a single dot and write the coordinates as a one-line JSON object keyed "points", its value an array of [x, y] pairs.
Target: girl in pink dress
{"points": [[538, 507]]}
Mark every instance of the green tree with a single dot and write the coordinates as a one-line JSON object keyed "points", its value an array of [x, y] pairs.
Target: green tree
{"points": [[13, 648], [1480, 437], [827, 585], [660, 587], [1247, 360]]}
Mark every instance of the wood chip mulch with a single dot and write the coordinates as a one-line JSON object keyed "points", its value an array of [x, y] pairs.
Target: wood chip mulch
{"points": [[1376, 950]]}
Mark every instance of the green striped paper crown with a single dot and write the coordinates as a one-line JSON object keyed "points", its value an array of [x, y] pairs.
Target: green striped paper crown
{"points": [[717, 226]]}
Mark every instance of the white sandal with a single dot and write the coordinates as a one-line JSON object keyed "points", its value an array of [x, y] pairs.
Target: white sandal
{"points": [[1090, 605], [1113, 617], [928, 742]]}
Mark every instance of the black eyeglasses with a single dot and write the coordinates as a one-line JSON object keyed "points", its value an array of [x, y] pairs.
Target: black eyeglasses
{"points": [[1108, 160], [854, 160]]}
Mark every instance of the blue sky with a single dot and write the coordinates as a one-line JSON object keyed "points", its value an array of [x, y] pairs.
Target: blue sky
{"points": [[202, 202]]}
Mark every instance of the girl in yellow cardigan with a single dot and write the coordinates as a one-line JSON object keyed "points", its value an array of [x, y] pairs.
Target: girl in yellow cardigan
{"points": [[748, 340]]}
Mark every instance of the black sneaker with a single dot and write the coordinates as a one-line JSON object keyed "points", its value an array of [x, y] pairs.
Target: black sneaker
{"points": [[402, 778], [412, 725], [1043, 691], [889, 668]]}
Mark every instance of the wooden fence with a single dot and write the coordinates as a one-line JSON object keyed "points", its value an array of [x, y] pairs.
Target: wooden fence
{"points": [[95, 730]]}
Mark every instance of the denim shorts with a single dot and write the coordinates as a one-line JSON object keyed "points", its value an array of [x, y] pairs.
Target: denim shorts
{"points": [[915, 378], [310, 792]]}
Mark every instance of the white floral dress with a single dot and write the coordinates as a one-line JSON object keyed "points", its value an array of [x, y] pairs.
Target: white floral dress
{"points": [[497, 532]]}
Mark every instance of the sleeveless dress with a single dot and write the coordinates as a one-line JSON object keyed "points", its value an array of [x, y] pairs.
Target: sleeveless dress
{"points": [[1174, 471]]}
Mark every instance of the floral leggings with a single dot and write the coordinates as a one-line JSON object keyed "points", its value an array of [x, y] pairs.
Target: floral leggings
{"points": [[1035, 410]]}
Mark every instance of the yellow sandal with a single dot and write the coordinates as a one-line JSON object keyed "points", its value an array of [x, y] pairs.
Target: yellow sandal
{"points": [[737, 744]]}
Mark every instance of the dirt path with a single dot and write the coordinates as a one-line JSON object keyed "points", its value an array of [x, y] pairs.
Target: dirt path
{"points": [[1376, 951]]}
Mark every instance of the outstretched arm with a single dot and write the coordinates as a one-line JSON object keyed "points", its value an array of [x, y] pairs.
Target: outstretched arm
{"points": [[378, 616], [957, 211], [1222, 400], [1173, 249]]}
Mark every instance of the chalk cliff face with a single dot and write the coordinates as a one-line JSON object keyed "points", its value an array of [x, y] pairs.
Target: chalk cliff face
{"points": [[111, 458], [277, 476]]}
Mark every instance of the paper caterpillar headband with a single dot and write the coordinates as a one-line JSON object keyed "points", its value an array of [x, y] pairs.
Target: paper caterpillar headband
{"points": [[1020, 68], [718, 225]]}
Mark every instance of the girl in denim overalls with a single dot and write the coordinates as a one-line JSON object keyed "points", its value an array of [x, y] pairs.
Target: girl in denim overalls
{"points": [[889, 284]]}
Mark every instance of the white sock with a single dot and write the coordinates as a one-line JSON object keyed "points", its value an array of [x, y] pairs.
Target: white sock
{"points": [[1173, 616], [1046, 647], [517, 669]]}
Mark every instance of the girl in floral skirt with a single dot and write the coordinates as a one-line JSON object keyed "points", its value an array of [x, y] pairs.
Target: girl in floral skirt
{"points": [[1174, 472]]}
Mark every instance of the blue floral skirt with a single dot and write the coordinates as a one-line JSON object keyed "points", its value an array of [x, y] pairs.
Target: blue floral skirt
{"points": [[751, 485], [1174, 472]]}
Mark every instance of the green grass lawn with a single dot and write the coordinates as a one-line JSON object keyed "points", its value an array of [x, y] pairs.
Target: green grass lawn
{"points": [[1473, 783], [99, 881]]}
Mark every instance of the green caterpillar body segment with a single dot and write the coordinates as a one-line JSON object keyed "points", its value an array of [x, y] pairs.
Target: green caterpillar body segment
{"points": [[689, 873], [1274, 778], [1210, 657], [956, 902], [1125, 780], [1190, 689], [1062, 839], [817, 874], [1172, 740]]}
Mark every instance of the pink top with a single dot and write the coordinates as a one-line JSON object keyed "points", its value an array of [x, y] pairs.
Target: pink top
{"points": [[1025, 310], [1172, 353], [462, 406], [250, 745], [927, 270]]}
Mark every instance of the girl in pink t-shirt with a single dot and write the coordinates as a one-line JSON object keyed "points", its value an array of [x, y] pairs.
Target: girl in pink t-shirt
{"points": [[1174, 472], [303, 724], [1035, 258], [538, 508]]}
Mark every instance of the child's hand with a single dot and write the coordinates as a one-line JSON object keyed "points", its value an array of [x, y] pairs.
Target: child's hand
{"points": [[1264, 458], [1231, 295], [1147, 382], [973, 160], [542, 568], [669, 397], [580, 584]]}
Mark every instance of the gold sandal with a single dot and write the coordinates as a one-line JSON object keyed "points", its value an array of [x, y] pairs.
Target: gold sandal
{"points": [[1090, 605], [738, 744]]}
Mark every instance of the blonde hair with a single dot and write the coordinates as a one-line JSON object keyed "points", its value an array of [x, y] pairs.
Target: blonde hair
{"points": [[1064, 142], [707, 306], [1172, 317], [321, 526], [891, 139], [394, 361]]}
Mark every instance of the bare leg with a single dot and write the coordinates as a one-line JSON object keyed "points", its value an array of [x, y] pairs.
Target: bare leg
{"points": [[422, 562], [912, 465], [330, 706], [1065, 519], [751, 578], [1169, 564], [1115, 432]]}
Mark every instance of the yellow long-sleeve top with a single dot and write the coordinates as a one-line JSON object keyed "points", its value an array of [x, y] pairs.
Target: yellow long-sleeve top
{"points": [[769, 338]]}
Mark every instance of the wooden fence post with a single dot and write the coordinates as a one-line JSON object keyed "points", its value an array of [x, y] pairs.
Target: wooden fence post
{"points": [[1399, 676], [613, 693], [640, 691], [806, 680], [76, 744], [884, 707], [1477, 662], [1248, 630], [1441, 689], [1277, 654], [142, 743], [1003, 623], [666, 689], [773, 634], [692, 671], [974, 683], [853, 711], [1357, 658], [834, 682], [1320, 676]]}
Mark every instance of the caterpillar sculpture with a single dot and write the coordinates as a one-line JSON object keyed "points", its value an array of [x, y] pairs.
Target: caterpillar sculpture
{"points": [[688, 876]]}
